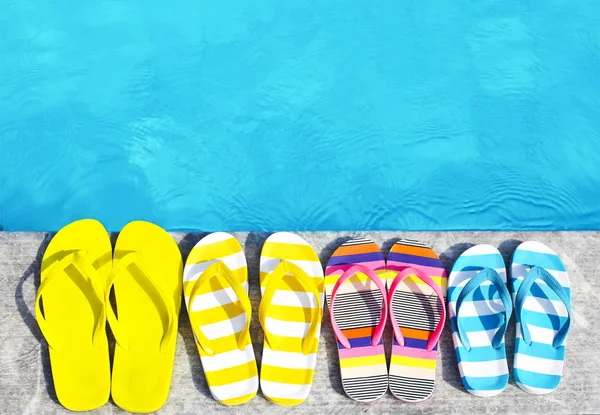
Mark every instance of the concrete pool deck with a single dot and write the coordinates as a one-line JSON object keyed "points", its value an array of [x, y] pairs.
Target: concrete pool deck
{"points": [[26, 382]]}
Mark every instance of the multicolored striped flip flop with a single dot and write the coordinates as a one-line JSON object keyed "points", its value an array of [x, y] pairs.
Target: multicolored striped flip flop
{"points": [[355, 285], [542, 296], [216, 295], [416, 290], [292, 286], [480, 307]]}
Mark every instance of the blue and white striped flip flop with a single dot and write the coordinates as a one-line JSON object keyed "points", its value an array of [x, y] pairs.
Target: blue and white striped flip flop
{"points": [[542, 296], [480, 307]]}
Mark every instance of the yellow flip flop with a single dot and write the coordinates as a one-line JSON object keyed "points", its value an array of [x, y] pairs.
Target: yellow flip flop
{"points": [[75, 267], [216, 295], [292, 285], [147, 281]]}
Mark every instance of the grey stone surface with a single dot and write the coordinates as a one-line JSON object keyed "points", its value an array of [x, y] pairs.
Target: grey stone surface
{"points": [[26, 382]]}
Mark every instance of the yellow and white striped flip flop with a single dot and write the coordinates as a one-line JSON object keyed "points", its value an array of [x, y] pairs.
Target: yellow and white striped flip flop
{"points": [[215, 286], [292, 286]]}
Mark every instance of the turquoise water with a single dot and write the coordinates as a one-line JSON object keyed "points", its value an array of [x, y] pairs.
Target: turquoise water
{"points": [[298, 115]]}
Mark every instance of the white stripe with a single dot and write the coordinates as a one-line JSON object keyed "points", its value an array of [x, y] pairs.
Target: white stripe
{"points": [[519, 272], [284, 390], [481, 338], [235, 390], [539, 334], [214, 238], [289, 360], [483, 249], [538, 364], [294, 329], [411, 287], [357, 241], [546, 306], [224, 328], [479, 308], [294, 299], [263, 289], [354, 287], [412, 242], [460, 278], [312, 268], [227, 359], [534, 246], [286, 238], [234, 262], [214, 299], [487, 369]]}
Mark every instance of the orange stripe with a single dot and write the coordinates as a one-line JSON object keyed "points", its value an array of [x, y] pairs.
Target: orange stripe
{"points": [[357, 333], [415, 334], [357, 249], [414, 250]]}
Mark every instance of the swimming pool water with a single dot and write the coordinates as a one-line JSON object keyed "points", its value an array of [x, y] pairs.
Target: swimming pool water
{"points": [[301, 115]]}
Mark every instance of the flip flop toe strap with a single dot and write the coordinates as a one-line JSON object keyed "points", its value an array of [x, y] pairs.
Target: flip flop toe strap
{"points": [[216, 270], [78, 260], [378, 332], [133, 260], [485, 275], [540, 273], [433, 339], [271, 283]]}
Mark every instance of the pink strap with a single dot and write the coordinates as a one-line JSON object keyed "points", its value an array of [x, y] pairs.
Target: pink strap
{"points": [[427, 280], [375, 278]]}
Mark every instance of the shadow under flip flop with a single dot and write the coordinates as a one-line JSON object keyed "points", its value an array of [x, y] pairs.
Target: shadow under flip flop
{"points": [[24, 306]]}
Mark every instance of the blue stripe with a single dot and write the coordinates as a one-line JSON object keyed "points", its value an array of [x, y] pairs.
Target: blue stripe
{"points": [[546, 321], [546, 351], [536, 380], [483, 261], [356, 258], [414, 343], [418, 260], [477, 323], [484, 292], [472, 268], [485, 384], [359, 342], [548, 261], [540, 291], [480, 354]]}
